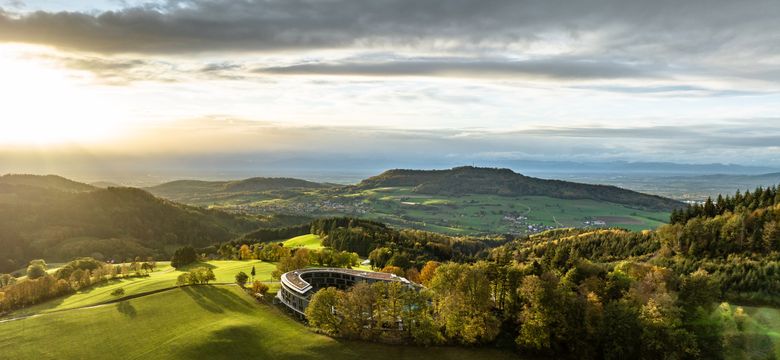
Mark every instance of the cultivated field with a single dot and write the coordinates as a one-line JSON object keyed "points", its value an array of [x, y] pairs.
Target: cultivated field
{"points": [[491, 213]]}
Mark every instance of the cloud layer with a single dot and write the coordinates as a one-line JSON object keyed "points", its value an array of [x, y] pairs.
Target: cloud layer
{"points": [[690, 27], [692, 81]]}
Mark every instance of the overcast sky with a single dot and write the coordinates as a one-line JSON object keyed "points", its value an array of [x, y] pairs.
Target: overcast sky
{"points": [[694, 81]]}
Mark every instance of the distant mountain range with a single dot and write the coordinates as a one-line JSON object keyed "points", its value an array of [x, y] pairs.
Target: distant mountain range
{"points": [[474, 180]]}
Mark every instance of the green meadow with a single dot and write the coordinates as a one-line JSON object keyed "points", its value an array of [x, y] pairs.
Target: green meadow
{"points": [[309, 241], [164, 277], [205, 322]]}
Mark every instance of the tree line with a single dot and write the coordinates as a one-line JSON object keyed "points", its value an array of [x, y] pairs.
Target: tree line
{"points": [[412, 248], [79, 274], [611, 311], [760, 198]]}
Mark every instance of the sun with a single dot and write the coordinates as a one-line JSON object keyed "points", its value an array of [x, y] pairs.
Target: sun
{"points": [[45, 104]]}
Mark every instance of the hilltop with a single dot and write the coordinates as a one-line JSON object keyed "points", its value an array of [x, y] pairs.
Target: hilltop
{"points": [[53, 182], [505, 182]]}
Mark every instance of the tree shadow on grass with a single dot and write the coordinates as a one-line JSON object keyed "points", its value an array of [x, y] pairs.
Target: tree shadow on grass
{"points": [[196, 264], [217, 299], [234, 342], [126, 309]]}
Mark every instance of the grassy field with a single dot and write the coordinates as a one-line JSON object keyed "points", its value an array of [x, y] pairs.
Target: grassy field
{"points": [[207, 322], [309, 241], [165, 276], [484, 213]]}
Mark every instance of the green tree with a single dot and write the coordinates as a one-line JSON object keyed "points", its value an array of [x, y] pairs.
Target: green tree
{"points": [[321, 312], [621, 332], [36, 269], [183, 279], [771, 236], [184, 256], [241, 278], [379, 257], [289, 262], [463, 302]]}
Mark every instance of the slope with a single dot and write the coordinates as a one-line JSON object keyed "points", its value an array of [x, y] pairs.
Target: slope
{"points": [[113, 223], [53, 182], [208, 322]]}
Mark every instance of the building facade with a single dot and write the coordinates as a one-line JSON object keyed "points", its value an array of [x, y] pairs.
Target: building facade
{"points": [[300, 285]]}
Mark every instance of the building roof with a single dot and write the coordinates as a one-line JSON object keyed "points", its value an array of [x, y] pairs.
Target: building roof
{"points": [[294, 281]]}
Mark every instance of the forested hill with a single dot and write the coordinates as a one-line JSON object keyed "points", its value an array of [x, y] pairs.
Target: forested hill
{"points": [[474, 180], [41, 221], [186, 190], [48, 182]]}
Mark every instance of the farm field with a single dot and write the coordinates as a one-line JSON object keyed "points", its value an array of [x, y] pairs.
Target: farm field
{"points": [[164, 277], [483, 213], [213, 322], [465, 214]]}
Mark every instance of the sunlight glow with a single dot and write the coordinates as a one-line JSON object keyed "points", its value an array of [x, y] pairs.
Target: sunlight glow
{"points": [[43, 104]]}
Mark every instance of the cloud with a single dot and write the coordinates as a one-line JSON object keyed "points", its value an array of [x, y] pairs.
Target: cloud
{"points": [[632, 27], [722, 40], [543, 68]]}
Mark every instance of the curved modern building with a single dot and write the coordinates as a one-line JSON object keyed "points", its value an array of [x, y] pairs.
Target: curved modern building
{"points": [[298, 286]]}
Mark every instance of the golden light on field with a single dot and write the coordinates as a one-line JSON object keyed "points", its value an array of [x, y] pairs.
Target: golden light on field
{"points": [[42, 103]]}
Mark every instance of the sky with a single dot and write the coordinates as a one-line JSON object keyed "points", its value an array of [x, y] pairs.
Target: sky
{"points": [[158, 85]]}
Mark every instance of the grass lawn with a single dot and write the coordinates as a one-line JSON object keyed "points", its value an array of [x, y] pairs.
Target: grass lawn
{"points": [[309, 241], [206, 322], [165, 276]]}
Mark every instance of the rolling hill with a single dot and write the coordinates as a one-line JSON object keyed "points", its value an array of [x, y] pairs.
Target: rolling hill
{"points": [[505, 182], [52, 182], [55, 218], [197, 191]]}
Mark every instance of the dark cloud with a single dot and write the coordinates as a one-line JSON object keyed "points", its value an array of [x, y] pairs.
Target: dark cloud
{"points": [[633, 26], [222, 66], [548, 68], [119, 71]]}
